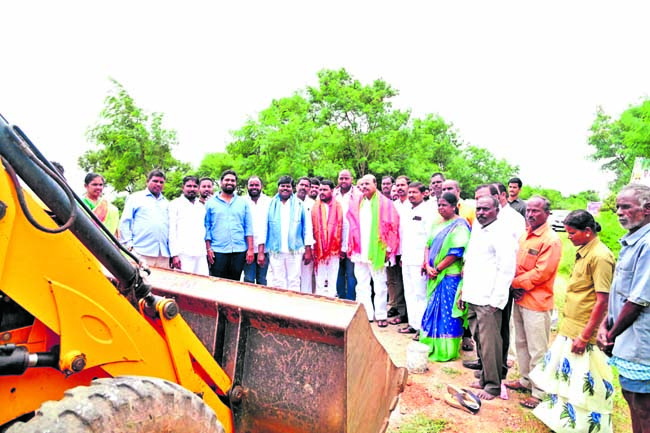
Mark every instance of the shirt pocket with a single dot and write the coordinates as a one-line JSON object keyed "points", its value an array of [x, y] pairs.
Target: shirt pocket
{"points": [[624, 284], [529, 261]]}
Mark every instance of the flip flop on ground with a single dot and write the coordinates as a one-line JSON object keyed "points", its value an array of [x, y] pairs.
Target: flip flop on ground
{"points": [[407, 330], [462, 399], [382, 323], [397, 320]]}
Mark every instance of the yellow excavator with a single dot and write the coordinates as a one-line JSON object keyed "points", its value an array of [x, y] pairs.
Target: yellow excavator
{"points": [[93, 341]]}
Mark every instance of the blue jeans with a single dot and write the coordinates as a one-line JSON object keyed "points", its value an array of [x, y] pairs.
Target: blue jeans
{"points": [[255, 273], [346, 283]]}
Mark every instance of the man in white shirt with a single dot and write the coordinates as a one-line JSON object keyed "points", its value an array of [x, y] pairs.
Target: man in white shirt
{"points": [[303, 187], [373, 238], [488, 272], [346, 193], [515, 225], [258, 202], [394, 279], [186, 230], [414, 226]]}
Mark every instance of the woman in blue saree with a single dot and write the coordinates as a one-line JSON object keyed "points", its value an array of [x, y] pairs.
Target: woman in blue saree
{"points": [[442, 324]]}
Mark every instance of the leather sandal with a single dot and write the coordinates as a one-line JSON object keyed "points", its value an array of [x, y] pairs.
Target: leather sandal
{"points": [[516, 385]]}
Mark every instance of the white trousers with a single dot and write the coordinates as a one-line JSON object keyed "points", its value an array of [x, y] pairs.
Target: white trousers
{"points": [[306, 277], [364, 272], [194, 264], [285, 271], [327, 274], [415, 293]]}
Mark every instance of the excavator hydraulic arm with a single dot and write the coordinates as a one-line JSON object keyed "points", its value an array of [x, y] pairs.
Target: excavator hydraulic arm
{"points": [[76, 306]]}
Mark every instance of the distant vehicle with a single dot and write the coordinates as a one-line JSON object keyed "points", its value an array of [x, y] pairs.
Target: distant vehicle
{"points": [[556, 218]]}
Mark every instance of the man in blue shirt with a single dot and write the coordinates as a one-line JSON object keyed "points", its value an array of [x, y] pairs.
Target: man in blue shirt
{"points": [[228, 230], [626, 331], [144, 227]]}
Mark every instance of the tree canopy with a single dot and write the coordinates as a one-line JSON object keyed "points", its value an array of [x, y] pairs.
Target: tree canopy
{"points": [[617, 142], [343, 123], [130, 144]]}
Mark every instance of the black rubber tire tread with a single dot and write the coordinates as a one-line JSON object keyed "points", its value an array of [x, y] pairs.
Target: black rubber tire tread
{"points": [[124, 404]]}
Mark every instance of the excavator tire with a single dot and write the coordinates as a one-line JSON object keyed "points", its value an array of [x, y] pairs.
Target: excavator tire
{"points": [[124, 404]]}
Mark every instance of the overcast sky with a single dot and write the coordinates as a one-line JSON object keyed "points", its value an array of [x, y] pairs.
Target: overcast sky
{"points": [[522, 79]]}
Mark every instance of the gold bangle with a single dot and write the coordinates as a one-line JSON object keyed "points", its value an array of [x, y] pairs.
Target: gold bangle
{"points": [[582, 339]]}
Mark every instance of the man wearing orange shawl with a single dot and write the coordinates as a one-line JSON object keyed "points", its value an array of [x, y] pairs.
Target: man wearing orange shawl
{"points": [[373, 239], [327, 219]]}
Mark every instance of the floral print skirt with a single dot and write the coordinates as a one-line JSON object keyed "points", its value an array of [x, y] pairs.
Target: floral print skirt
{"points": [[580, 395]]}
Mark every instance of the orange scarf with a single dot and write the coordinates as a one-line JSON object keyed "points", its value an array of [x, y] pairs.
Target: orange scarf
{"points": [[327, 230]]}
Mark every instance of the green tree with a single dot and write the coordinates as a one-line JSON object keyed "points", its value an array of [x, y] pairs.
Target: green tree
{"points": [[618, 142], [369, 130], [130, 144], [343, 123]]}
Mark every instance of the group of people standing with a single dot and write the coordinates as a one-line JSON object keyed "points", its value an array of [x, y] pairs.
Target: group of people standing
{"points": [[447, 269]]}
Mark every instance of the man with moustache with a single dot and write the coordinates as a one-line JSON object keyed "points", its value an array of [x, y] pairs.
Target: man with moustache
{"points": [[255, 272], [144, 227], [303, 187], [515, 225], [372, 240], [229, 230], [435, 186], [289, 237], [386, 186], [538, 258], [345, 192], [329, 226], [414, 228], [186, 230], [396, 301], [489, 269], [314, 189], [206, 189], [625, 332]]}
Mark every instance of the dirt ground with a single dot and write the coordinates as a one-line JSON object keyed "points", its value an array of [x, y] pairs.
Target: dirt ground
{"points": [[424, 394]]}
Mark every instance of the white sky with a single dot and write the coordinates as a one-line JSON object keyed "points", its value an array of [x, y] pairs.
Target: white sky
{"points": [[522, 79]]}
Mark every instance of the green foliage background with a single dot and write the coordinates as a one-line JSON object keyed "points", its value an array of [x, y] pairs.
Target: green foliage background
{"points": [[341, 123]]}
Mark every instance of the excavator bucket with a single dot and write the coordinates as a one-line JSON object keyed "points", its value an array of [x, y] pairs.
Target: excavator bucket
{"points": [[299, 363]]}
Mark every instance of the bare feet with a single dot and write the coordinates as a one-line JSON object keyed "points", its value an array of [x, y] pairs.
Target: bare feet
{"points": [[481, 393], [484, 395]]}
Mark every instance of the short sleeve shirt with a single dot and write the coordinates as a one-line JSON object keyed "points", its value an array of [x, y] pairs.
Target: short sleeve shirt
{"points": [[592, 273]]}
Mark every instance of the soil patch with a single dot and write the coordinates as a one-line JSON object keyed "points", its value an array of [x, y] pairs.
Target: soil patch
{"points": [[424, 394]]}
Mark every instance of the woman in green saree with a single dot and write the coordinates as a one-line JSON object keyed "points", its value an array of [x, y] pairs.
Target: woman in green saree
{"points": [[105, 211]]}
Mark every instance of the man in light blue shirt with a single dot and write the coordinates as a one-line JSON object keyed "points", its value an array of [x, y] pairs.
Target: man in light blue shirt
{"points": [[228, 230], [626, 331], [144, 227]]}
